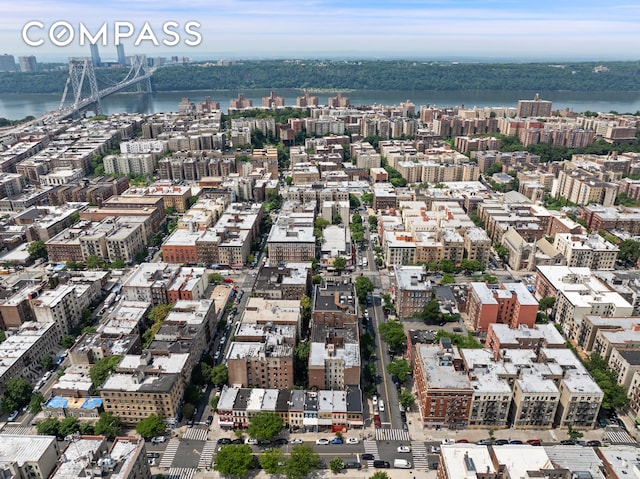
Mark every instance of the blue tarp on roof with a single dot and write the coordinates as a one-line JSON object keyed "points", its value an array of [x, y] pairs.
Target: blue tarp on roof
{"points": [[57, 402], [92, 403]]}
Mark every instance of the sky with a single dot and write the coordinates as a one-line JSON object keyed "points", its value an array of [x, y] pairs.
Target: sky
{"points": [[471, 30]]}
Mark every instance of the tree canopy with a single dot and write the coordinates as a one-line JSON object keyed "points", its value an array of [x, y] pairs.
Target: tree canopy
{"points": [[234, 460], [273, 461], [150, 426], [302, 462], [37, 249], [406, 398], [393, 334], [219, 375], [340, 263], [102, 368], [108, 425], [615, 396], [399, 368], [265, 426], [364, 286], [17, 394]]}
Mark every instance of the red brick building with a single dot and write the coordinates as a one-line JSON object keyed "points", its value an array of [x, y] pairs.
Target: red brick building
{"points": [[510, 304]]}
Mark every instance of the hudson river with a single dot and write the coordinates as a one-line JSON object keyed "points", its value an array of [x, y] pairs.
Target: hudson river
{"points": [[18, 106]]}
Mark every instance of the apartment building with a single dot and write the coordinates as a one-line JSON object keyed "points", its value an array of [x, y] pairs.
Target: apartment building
{"points": [[501, 337], [412, 290], [608, 218], [587, 251], [263, 364], [30, 456], [150, 283], [624, 363], [510, 303], [583, 189], [59, 306], [291, 239], [578, 293], [492, 393], [444, 392], [334, 355], [534, 108], [283, 312], [20, 353], [140, 164], [190, 284], [591, 325], [174, 196], [289, 282], [477, 245]]}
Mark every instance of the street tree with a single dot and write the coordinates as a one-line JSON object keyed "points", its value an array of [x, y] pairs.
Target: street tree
{"points": [[108, 425], [303, 461], [380, 475], [407, 399], [354, 202], [216, 278], [448, 279], [574, 433], [188, 410], [336, 465], [35, 404], [37, 249], [219, 375], [17, 394], [273, 461], [393, 334], [399, 368], [234, 460], [150, 426], [364, 286], [264, 426]]}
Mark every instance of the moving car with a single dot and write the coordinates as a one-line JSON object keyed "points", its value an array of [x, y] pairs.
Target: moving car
{"points": [[209, 420], [404, 448], [435, 449], [322, 442], [157, 439], [381, 464], [12, 417], [352, 440], [367, 456]]}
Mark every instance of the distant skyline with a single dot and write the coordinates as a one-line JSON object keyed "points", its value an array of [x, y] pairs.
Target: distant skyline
{"points": [[464, 30]]}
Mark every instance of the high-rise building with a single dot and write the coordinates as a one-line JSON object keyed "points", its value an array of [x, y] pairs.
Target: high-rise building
{"points": [[7, 63], [535, 107], [122, 59], [95, 55], [28, 64]]}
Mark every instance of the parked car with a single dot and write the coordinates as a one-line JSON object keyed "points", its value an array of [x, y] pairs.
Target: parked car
{"points": [[501, 442], [448, 441], [297, 440], [516, 441], [322, 442], [280, 441], [401, 464], [381, 405], [12, 417], [337, 440], [251, 441], [381, 464], [435, 449], [484, 442], [534, 442], [237, 441], [462, 441], [352, 465], [353, 440], [568, 442], [594, 444], [209, 420], [404, 449]]}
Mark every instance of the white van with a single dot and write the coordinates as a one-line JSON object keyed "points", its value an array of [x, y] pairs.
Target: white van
{"points": [[401, 464]]}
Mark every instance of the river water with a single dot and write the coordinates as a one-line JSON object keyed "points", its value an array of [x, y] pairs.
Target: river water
{"points": [[18, 106]]}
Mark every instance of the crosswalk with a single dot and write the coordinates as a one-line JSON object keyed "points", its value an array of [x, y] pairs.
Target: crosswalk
{"points": [[181, 473], [206, 457], [169, 453], [419, 453], [17, 430], [616, 435], [392, 435], [371, 447], [195, 433]]}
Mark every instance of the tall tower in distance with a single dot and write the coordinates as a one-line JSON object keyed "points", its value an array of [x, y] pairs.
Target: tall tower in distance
{"points": [[122, 59], [95, 55], [535, 107], [28, 64]]}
